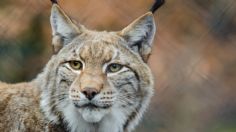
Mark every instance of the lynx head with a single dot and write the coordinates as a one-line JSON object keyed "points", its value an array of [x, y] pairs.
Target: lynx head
{"points": [[97, 75]]}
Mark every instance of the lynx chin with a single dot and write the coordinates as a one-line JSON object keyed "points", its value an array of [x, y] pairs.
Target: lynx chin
{"points": [[95, 81]]}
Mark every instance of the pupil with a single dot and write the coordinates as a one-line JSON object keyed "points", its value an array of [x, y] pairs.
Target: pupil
{"points": [[115, 67], [76, 63]]}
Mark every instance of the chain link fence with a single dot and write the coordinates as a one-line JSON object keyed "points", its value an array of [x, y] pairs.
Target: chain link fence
{"points": [[193, 60]]}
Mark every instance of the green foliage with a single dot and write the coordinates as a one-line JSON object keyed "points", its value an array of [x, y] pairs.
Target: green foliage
{"points": [[4, 3], [19, 52]]}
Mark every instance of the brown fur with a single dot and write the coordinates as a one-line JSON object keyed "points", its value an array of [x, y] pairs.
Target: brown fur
{"points": [[55, 100], [20, 109]]}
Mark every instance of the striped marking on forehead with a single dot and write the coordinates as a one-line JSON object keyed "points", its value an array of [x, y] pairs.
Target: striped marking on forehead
{"points": [[97, 51]]}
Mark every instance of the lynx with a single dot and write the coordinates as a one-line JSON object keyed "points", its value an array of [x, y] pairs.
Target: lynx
{"points": [[95, 82]]}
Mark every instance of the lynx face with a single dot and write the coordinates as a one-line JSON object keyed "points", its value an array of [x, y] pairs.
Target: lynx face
{"points": [[98, 77]]}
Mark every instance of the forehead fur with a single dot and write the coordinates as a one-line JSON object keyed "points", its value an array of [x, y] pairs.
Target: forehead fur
{"points": [[98, 46]]}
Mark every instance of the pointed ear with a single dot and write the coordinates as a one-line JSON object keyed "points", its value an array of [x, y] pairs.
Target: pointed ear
{"points": [[139, 35], [63, 28]]}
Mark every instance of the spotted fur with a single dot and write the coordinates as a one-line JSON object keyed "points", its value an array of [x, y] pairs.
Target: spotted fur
{"points": [[55, 100]]}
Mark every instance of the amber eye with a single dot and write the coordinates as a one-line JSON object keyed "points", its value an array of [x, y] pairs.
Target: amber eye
{"points": [[114, 68], [76, 65]]}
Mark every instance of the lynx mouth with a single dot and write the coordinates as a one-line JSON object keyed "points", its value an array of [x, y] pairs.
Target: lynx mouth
{"points": [[91, 106]]}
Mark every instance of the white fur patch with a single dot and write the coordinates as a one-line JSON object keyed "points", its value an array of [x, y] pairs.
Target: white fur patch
{"points": [[91, 115]]}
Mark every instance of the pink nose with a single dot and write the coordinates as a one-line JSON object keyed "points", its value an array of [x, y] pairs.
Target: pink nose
{"points": [[90, 93]]}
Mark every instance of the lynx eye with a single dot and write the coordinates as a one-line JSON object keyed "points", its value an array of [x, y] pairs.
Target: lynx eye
{"points": [[76, 65], [114, 68]]}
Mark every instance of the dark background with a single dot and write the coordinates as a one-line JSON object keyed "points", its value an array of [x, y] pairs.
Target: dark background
{"points": [[194, 54]]}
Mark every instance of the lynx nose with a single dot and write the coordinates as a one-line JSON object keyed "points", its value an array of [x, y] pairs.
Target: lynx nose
{"points": [[90, 92]]}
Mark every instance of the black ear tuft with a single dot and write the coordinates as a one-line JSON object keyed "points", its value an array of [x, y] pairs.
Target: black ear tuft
{"points": [[54, 1], [156, 5]]}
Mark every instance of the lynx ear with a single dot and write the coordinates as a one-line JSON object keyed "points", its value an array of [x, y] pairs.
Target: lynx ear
{"points": [[63, 28], [139, 35]]}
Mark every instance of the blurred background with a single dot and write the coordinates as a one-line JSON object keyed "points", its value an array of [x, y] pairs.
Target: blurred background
{"points": [[193, 60]]}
